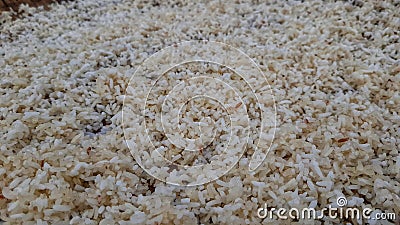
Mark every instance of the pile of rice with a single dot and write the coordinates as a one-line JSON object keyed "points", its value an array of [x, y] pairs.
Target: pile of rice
{"points": [[334, 69]]}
